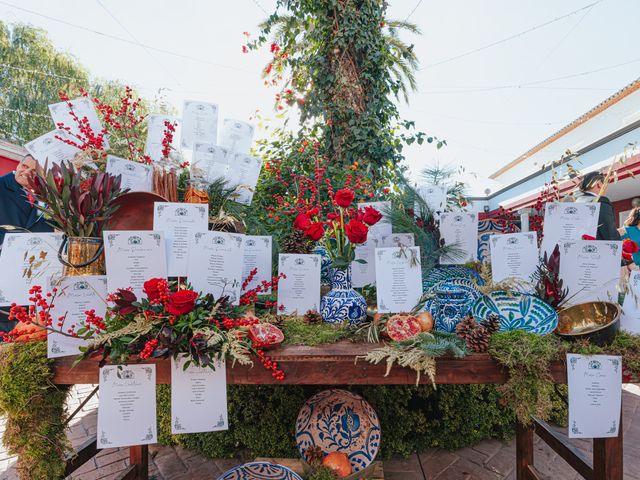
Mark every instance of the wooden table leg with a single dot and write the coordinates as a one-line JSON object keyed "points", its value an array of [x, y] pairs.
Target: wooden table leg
{"points": [[524, 450], [607, 457], [139, 456]]}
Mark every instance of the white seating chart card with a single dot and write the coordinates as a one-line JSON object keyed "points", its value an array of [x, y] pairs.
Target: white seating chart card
{"points": [[398, 279], [568, 221], [27, 259], [243, 173], [199, 123], [257, 255], [236, 135], [590, 270], [513, 255], [460, 230], [435, 196], [208, 163], [155, 133], [365, 273], [127, 406], [48, 149], [135, 176], [132, 257], [75, 296], [397, 239], [383, 227], [178, 222], [630, 318], [300, 290], [595, 395], [198, 397], [62, 112], [215, 264]]}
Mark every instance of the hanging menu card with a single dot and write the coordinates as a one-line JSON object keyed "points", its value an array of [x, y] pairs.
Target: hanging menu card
{"points": [[74, 297], [198, 397], [365, 273], [435, 196], [397, 240], [208, 163], [237, 136], [199, 123], [299, 291], [630, 318], [243, 173], [155, 134], [135, 176], [383, 227], [566, 222], [590, 270], [215, 264], [178, 222], [398, 279], [71, 112], [257, 255], [27, 259], [513, 255], [132, 257], [51, 148], [459, 230], [127, 406], [595, 395]]}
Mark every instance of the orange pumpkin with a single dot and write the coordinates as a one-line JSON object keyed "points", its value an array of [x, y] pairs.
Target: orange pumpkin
{"points": [[339, 463]]}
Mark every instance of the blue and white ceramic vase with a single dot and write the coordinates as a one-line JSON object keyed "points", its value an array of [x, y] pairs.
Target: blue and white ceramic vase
{"points": [[343, 303], [325, 265]]}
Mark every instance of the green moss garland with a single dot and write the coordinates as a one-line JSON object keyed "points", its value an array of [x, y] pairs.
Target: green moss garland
{"points": [[35, 411]]}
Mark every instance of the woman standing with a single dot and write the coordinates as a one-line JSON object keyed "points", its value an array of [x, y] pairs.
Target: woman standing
{"points": [[631, 230]]}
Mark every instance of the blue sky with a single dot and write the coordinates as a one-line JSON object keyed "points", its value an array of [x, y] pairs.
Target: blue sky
{"points": [[490, 105]]}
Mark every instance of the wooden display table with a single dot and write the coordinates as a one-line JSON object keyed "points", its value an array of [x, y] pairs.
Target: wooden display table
{"points": [[338, 364]]}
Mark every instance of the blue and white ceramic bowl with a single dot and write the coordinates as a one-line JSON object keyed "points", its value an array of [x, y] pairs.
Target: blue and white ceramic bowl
{"points": [[450, 273], [260, 471], [451, 302], [517, 311], [339, 421]]}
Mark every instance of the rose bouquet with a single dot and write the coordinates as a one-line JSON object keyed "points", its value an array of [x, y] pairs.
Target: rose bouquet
{"points": [[343, 227]]}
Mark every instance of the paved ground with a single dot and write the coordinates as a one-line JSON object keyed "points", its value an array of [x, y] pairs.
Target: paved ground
{"points": [[490, 460]]}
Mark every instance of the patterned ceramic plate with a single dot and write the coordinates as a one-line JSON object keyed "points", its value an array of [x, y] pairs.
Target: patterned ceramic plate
{"points": [[517, 311], [260, 471], [451, 302], [450, 273], [339, 421]]}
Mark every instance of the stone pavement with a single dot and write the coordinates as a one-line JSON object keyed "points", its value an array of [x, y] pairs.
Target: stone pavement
{"points": [[489, 460]]}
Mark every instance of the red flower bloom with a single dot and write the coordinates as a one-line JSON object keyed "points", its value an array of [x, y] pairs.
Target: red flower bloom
{"points": [[124, 301], [301, 222], [357, 231], [181, 302], [588, 237], [371, 216], [344, 197], [332, 216], [315, 231], [313, 212], [152, 288], [629, 246]]}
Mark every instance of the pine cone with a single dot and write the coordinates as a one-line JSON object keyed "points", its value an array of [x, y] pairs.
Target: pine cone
{"points": [[296, 242], [491, 323], [475, 335], [478, 340], [312, 316], [314, 455], [466, 326]]}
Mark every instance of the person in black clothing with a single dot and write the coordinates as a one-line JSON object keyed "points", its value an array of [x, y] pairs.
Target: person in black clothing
{"points": [[17, 211], [590, 192]]}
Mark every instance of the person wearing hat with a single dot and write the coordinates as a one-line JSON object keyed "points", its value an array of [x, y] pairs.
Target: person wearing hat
{"points": [[590, 188]]}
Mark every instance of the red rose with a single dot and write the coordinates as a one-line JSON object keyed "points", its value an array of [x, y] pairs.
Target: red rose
{"points": [[629, 246], [344, 197], [332, 216], [371, 216], [315, 231], [181, 302], [301, 222], [152, 288], [357, 231], [313, 212], [123, 300]]}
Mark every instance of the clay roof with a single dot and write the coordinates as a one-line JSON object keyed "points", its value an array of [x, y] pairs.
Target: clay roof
{"points": [[602, 106]]}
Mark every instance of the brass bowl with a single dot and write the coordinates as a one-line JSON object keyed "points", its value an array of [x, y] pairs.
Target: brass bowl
{"points": [[597, 322], [135, 211]]}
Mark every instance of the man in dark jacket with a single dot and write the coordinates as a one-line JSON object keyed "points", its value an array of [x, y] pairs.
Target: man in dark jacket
{"points": [[590, 192], [17, 211]]}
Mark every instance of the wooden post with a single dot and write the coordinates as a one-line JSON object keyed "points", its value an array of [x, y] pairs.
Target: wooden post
{"points": [[524, 450], [139, 456], [607, 457]]}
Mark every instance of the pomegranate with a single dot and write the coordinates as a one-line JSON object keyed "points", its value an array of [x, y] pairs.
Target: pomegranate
{"points": [[426, 321], [339, 463], [266, 334], [403, 326]]}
